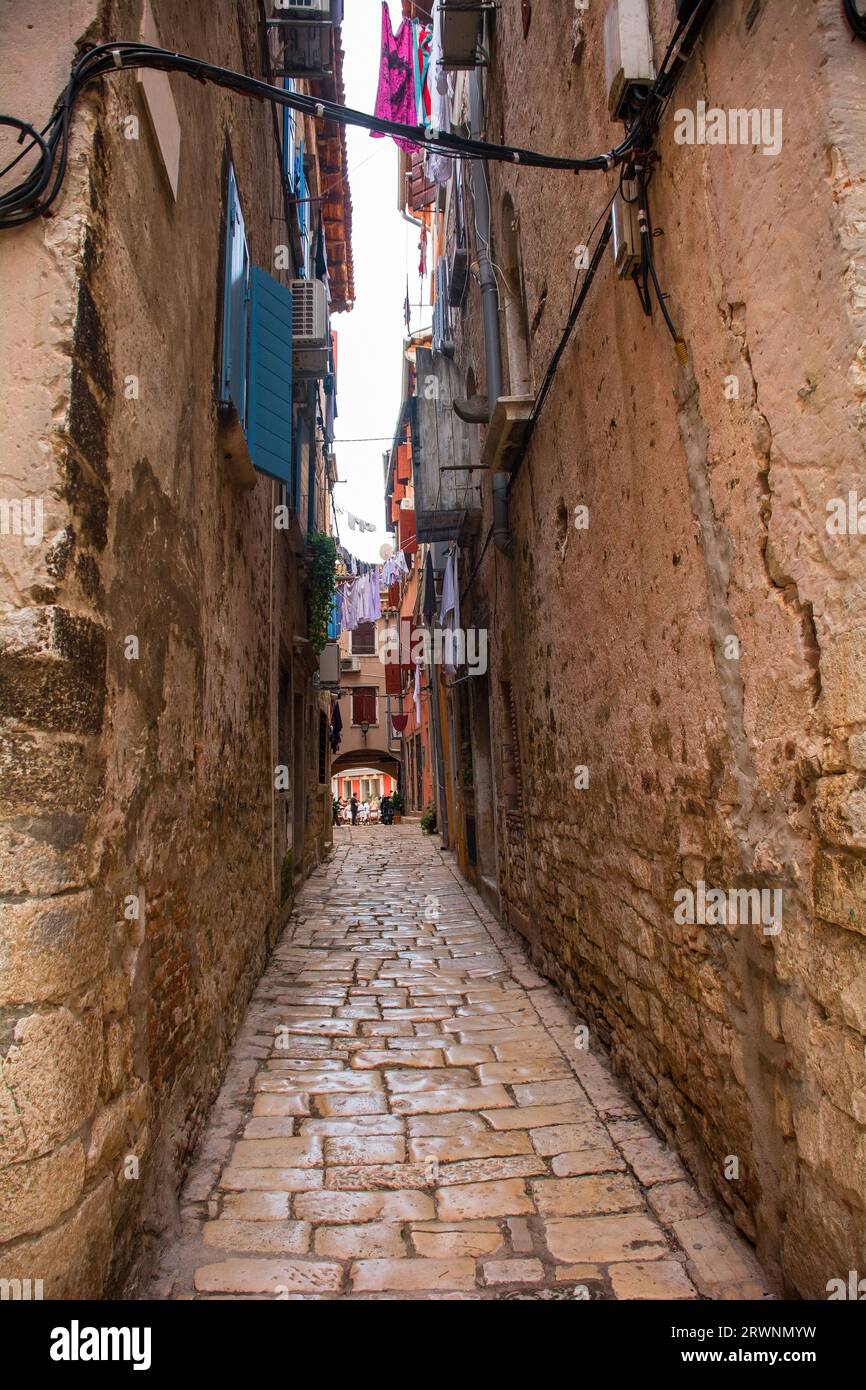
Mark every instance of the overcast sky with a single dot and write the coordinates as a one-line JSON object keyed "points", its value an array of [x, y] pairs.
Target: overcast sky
{"points": [[371, 336]]}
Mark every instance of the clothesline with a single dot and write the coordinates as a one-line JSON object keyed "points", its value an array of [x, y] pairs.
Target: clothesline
{"points": [[358, 597]]}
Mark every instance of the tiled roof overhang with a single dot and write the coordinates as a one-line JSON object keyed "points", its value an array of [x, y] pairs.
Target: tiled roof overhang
{"points": [[336, 194]]}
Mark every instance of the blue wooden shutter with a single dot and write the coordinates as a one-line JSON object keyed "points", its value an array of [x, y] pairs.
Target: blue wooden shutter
{"points": [[233, 377], [269, 418]]}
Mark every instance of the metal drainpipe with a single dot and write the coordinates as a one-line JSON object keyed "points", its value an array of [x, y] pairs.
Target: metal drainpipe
{"points": [[486, 273], [489, 305]]}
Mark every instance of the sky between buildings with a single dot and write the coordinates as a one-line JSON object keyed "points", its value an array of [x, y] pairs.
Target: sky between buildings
{"points": [[370, 337]]}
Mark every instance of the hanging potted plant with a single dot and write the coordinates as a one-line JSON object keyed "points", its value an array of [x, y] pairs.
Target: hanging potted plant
{"points": [[323, 571]]}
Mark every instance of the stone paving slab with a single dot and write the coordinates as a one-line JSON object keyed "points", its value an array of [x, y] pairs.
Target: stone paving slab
{"points": [[406, 1115]]}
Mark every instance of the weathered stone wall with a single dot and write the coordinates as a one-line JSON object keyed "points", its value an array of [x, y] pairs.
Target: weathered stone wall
{"points": [[707, 521], [148, 778]]}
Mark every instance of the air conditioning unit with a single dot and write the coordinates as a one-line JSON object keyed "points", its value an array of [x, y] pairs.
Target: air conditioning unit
{"points": [[443, 337], [329, 665], [319, 10], [306, 31], [349, 664], [311, 333], [628, 53]]}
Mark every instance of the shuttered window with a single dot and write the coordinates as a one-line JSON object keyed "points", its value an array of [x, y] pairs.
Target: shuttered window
{"points": [[256, 357], [364, 705], [269, 431], [289, 128], [233, 375], [364, 640]]}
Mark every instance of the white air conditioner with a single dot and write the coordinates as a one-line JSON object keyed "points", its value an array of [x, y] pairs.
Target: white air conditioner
{"points": [[329, 664], [306, 36], [350, 663], [311, 333], [303, 9], [628, 53]]}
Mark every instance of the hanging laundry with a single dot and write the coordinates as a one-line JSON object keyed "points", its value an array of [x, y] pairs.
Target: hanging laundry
{"points": [[336, 728], [449, 612], [351, 597], [395, 99], [422, 38], [407, 308], [364, 615], [439, 167], [428, 599]]}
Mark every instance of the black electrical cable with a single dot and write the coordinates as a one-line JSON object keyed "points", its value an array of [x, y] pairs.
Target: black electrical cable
{"points": [[640, 135], [34, 195], [544, 389], [648, 258], [856, 18]]}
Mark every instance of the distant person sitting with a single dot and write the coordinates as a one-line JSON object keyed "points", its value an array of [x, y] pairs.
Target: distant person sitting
{"points": [[353, 804]]}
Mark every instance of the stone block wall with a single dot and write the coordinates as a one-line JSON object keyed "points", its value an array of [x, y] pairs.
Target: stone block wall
{"points": [[708, 487], [140, 843]]}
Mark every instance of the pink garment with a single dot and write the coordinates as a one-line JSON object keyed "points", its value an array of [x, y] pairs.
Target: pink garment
{"points": [[395, 99]]}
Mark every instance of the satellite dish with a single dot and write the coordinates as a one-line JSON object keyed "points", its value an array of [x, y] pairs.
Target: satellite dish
{"points": [[386, 551]]}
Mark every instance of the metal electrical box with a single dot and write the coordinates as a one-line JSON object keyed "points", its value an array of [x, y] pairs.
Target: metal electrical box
{"points": [[626, 232], [628, 52]]}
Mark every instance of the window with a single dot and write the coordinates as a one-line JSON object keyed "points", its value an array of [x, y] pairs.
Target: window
{"points": [[233, 377], [323, 747], [364, 640], [256, 350], [290, 120], [364, 708]]}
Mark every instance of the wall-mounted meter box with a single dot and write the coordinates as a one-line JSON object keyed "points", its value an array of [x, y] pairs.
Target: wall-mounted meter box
{"points": [[628, 53], [626, 242]]}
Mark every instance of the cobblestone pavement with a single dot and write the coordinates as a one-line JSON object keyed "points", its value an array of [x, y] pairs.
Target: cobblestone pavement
{"points": [[406, 1114]]}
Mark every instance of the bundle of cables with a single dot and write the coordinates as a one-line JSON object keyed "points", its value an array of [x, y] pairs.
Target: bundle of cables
{"points": [[35, 193]]}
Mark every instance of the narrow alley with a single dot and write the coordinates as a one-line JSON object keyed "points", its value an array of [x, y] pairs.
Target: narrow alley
{"points": [[433, 670], [408, 1112]]}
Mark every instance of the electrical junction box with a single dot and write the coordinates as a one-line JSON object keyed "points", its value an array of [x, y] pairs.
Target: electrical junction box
{"points": [[628, 53], [625, 232]]}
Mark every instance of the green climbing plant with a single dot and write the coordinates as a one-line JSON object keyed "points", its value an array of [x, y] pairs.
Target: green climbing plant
{"points": [[323, 572]]}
